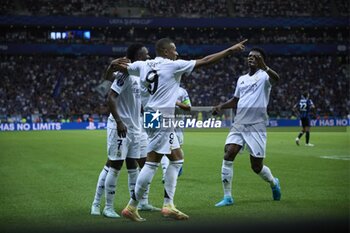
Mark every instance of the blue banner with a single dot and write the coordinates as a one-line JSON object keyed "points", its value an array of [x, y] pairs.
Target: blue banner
{"points": [[183, 49], [102, 125], [52, 126], [242, 22], [317, 122]]}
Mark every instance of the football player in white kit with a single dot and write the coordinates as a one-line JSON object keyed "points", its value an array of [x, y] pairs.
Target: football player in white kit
{"points": [[161, 76], [251, 98], [183, 103], [123, 133], [144, 205]]}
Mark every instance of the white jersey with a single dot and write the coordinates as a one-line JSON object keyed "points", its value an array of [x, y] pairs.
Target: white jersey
{"points": [[184, 98], [253, 93], [144, 95], [128, 101], [161, 77]]}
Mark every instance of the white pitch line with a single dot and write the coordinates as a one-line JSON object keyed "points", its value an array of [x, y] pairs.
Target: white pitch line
{"points": [[337, 157]]}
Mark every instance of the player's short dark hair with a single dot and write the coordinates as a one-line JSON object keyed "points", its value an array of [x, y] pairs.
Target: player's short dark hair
{"points": [[132, 51], [162, 44], [305, 94], [260, 50]]}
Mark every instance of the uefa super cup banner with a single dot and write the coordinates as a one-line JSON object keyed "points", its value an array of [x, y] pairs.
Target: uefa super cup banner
{"points": [[79, 21]]}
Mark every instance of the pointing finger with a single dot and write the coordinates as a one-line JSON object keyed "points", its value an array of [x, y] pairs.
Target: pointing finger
{"points": [[243, 41]]}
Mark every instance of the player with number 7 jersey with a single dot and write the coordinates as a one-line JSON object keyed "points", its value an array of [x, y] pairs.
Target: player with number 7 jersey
{"points": [[123, 136]]}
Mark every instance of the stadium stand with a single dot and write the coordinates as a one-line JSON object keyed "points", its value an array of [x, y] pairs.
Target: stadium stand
{"points": [[192, 36], [180, 8], [61, 86]]}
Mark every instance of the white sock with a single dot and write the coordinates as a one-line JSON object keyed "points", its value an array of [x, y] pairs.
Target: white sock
{"points": [[226, 177], [110, 186], [266, 175], [144, 199], [132, 177], [100, 187], [143, 180], [170, 180], [165, 163]]}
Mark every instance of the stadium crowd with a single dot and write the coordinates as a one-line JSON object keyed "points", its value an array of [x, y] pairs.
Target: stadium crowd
{"points": [[64, 87], [192, 36], [179, 8]]}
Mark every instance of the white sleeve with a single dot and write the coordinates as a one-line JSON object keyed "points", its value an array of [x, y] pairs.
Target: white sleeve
{"points": [[134, 68], [120, 82], [184, 67], [237, 94], [267, 78]]}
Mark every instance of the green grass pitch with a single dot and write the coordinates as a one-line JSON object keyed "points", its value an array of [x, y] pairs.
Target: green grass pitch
{"points": [[48, 180]]}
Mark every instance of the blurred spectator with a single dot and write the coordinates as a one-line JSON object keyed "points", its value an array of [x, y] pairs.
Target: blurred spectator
{"points": [[193, 36], [56, 88], [28, 85], [179, 8]]}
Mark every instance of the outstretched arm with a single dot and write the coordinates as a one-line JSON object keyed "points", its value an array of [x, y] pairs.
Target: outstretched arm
{"points": [[231, 103], [120, 64], [210, 59]]}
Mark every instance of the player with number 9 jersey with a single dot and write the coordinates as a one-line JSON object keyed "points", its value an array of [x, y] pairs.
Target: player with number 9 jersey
{"points": [[161, 77]]}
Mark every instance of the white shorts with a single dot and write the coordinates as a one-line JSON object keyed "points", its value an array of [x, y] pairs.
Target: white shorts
{"points": [[143, 144], [253, 136], [162, 140], [180, 135], [121, 148]]}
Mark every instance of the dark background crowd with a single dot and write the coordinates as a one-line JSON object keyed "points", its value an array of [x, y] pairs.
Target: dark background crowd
{"points": [[190, 36], [56, 87], [65, 86], [178, 8]]}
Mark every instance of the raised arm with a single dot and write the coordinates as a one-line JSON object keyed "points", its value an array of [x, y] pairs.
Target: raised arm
{"points": [[120, 64], [211, 59], [270, 72], [109, 73]]}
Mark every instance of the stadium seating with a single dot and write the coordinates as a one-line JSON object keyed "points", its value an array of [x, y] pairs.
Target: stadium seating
{"points": [[179, 8], [58, 87]]}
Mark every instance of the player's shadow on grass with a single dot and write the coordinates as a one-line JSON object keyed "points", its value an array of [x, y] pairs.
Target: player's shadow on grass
{"points": [[255, 201]]}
